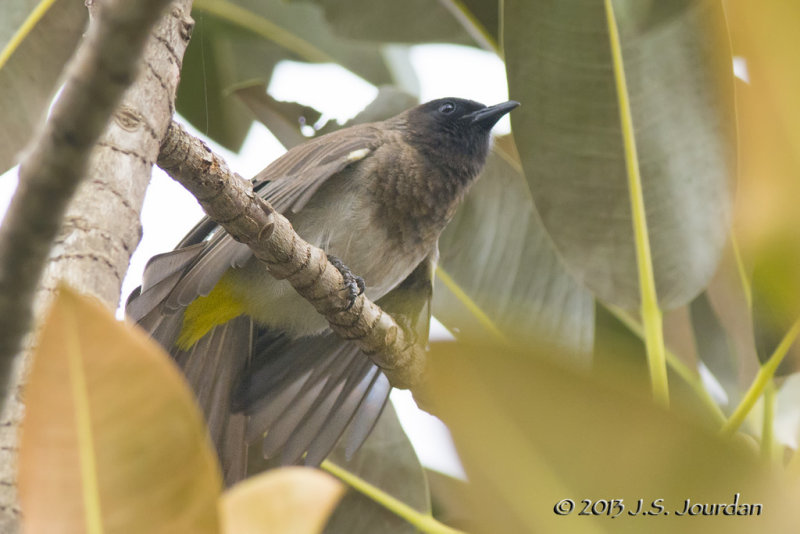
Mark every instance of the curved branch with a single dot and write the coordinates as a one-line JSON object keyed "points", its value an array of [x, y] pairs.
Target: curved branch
{"points": [[229, 199]]}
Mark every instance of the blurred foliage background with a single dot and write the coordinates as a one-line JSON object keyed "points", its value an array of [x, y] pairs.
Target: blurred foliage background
{"points": [[546, 391]]}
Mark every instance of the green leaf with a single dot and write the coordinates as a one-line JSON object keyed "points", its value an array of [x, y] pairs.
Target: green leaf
{"points": [[776, 306], [241, 42], [485, 14], [619, 337], [531, 433], [679, 76], [210, 67], [411, 21], [715, 348], [32, 56], [112, 439], [775, 290], [448, 499], [284, 119], [497, 252], [388, 461]]}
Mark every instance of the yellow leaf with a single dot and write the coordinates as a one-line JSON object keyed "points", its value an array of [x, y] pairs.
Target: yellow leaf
{"points": [[764, 35], [112, 440], [291, 500]]}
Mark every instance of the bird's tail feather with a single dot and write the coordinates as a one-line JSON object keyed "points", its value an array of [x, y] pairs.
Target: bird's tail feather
{"points": [[302, 401], [212, 367], [298, 396]]}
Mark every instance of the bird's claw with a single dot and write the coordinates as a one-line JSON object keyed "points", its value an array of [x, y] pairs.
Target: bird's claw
{"points": [[353, 284]]}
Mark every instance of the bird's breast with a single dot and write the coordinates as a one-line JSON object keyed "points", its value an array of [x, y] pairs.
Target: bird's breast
{"points": [[346, 220]]}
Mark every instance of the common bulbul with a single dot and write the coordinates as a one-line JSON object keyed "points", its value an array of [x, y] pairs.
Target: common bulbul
{"points": [[260, 360]]}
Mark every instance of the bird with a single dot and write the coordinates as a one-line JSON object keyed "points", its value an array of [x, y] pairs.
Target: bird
{"points": [[263, 365]]}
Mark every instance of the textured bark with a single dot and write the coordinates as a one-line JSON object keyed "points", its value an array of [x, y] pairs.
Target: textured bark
{"points": [[101, 227], [229, 199]]}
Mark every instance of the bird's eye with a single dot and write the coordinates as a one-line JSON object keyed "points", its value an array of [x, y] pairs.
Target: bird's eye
{"points": [[447, 107]]}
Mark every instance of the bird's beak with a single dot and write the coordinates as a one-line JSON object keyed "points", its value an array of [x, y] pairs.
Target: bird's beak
{"points": [[490, 115]]}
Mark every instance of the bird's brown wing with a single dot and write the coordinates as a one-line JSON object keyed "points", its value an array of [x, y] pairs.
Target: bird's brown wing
{"points": [[287, 183], [290, 181]]}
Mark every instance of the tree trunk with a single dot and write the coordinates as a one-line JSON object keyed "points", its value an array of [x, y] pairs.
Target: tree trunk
{"points": [[102, 227]]}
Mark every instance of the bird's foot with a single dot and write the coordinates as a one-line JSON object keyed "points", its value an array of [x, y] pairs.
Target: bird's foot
{"points": [[353, 284]]}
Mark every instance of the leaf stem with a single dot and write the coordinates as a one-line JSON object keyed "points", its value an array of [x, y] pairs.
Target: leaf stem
{"points": [[737, 254], [479, 33], [763, 377], [24, 30], [651, 314], [692, 378], [423, 522], [471, 306], [248, 20]]}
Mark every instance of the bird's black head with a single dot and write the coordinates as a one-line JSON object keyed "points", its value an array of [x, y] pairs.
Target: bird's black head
{"points": [[455, 131]]}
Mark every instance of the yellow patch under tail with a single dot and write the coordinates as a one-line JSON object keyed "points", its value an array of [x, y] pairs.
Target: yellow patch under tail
{"points": [[204, 313]]}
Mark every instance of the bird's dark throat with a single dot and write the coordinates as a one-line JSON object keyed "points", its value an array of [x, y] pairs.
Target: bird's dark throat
{"points": [[420, 200]]}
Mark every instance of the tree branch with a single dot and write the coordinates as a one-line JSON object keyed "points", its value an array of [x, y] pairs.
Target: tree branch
{"points": [[52, 168], [229, 199]]}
